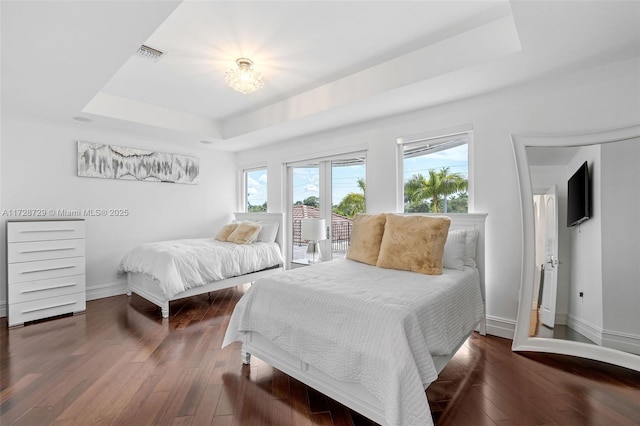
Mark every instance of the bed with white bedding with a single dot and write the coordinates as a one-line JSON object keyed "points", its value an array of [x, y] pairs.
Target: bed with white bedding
{"points": [[170, 270], [368, 337]]}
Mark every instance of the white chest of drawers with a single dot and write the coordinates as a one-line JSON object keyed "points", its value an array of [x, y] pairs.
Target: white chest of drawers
{"points": [[45, 269]]}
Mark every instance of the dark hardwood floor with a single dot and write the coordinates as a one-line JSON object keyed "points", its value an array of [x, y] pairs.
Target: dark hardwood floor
{"points": [[121, 364]]}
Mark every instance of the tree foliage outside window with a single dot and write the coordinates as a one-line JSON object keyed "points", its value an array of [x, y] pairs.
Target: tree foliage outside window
{"points": [[432, 185], [352, 203], [311, 201]]}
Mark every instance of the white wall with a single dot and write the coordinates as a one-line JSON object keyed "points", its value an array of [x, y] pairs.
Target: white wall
{"points": [[39, 170], [592, 100], [586, 253], [621, 245]]}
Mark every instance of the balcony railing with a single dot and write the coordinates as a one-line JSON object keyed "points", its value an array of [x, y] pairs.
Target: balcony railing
{"points": [[340, 231]]}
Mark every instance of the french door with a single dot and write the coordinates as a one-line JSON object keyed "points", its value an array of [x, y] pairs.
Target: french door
{"points": [[332, 189]]}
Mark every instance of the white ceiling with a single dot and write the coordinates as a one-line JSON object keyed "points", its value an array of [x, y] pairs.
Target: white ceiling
{"points": [[326, 64], [550, 156]]}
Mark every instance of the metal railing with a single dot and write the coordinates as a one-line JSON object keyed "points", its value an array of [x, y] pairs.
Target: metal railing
{"points": [[340, 231]]}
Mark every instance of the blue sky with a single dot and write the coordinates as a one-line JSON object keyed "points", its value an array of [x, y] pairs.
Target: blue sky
{"points": [[345, 179]]}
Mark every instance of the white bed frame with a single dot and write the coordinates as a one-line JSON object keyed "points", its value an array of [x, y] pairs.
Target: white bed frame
{"points": [[354, 395], [149, 288]]}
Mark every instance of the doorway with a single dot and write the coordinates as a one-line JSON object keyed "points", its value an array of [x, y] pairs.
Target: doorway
{"points": [[332, 189]]}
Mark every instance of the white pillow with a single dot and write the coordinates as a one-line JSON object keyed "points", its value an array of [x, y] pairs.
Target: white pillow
{"points": [[470, 249], [454, 250], [268, 232]]}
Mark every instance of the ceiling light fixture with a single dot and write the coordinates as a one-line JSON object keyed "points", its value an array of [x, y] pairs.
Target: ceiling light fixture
{"points": [[244, 78]]}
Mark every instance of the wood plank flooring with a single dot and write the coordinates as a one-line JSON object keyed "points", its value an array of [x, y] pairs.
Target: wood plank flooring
{"points": [[121, 364]]}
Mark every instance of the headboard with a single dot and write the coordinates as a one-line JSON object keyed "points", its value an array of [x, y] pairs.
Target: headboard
{"points": [[470, 221], [266, 217]]}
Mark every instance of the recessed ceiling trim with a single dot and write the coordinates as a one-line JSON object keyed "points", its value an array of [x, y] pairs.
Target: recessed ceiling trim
{"points": [[120, 108]]}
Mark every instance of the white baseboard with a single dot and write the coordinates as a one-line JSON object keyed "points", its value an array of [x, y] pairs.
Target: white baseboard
{"points": [[106, 290], [622, 341], [501, 327], [588, 330]]}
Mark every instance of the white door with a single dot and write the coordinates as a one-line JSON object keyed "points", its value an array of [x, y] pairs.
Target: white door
{"points": [[329, 188], [550, 282]]}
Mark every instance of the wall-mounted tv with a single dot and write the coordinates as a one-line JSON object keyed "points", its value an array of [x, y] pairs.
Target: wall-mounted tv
{"points": [[579, 196]]}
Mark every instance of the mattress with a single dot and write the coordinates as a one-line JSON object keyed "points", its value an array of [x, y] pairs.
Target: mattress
{"points": [[183, 264], [368, 325]]}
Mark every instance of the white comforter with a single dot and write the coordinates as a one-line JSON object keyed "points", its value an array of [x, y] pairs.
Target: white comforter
{"points": [[373, 326], [182, 264]]}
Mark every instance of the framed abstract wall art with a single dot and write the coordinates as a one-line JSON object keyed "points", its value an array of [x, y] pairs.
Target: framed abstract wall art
{"points": [[117, 162]]}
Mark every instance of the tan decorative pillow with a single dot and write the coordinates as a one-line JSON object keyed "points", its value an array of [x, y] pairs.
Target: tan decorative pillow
{"points": [[366, 236], [245, 233], [414, 243], [226, 230]]}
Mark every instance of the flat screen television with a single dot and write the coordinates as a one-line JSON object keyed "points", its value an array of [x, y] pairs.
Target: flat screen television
{"points": [[579, 196]]}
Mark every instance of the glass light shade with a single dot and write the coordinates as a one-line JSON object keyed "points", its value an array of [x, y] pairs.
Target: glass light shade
{"points": [[244, 78]]}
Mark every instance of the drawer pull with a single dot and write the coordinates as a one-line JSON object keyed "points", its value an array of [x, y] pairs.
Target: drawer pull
{"points": [[48, 269], [28, 311], [50, 249], [28, 231], [33, 290]]}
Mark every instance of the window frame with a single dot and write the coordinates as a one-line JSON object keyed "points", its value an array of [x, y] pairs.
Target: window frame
{"points": [[244, 201], [324, 163], [436, 138]]}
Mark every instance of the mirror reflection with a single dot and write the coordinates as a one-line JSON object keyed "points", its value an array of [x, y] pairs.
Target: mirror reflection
{"points": [[587, 243]]}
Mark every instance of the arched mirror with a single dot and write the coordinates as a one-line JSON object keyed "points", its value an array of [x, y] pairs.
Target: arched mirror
{"points": [[580, 289]]}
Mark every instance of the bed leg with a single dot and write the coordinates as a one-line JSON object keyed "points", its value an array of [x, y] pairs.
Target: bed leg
{"points": [[128, 290], [246, 357], [165, 310]]}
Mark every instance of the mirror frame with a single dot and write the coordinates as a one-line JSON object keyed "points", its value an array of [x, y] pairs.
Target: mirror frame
{"points": [[521, 340]]}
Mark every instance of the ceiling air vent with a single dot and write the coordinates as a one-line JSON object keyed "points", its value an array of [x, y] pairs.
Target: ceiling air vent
{"points": [[149, 53]]}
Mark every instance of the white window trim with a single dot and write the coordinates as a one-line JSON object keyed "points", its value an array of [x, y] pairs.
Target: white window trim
{"points": [[435, 137], [287, 196], [242, 188]]}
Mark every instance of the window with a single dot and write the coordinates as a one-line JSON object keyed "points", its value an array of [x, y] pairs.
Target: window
{"points": [[255, 190], [435, 175]]}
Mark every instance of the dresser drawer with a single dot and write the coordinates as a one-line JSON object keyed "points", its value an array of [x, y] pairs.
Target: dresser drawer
{"points": [[19, 313], [43, 250], [44, 269], [44, 230], [44, 289]]}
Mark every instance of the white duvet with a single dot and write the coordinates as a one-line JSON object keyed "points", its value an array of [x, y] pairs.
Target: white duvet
{"points": [[183, 264], [373, 326]]}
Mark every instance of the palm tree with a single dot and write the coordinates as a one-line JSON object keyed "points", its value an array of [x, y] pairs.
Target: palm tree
{"points": [[450, 183], [352, 203], [416, 191], [437, 188]]}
